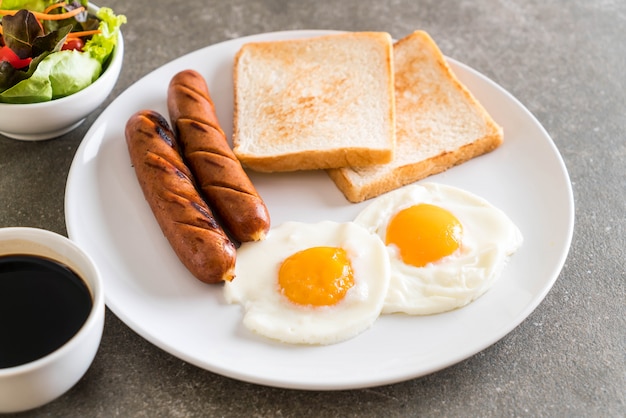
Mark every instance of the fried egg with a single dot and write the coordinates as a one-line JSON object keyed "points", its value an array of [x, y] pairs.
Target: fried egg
{"points": [[446, 246], [318, 283]]}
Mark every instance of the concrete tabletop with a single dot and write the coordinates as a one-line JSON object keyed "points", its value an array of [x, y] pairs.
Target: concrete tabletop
{"points": [[564, 60]]}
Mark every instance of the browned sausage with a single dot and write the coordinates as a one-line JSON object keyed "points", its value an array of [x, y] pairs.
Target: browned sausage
{"points": [[168, 186], [226, 186]]}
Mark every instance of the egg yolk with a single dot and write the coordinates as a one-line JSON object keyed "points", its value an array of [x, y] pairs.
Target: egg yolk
{"points": [[424, 233], [318, 276]]}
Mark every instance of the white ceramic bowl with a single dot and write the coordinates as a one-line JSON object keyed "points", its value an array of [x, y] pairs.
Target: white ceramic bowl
{"points": [[38, 382], [47, 120]]}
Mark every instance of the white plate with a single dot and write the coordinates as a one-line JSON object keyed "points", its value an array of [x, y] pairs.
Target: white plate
{"points": [[148, 288]]}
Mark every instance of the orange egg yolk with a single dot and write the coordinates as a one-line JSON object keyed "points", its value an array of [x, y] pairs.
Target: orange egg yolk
{"points": [[424, 233], [318, 276]]}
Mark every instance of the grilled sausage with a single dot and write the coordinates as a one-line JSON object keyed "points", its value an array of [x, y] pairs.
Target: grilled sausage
{"points": [[184, 217], [220, 176]]}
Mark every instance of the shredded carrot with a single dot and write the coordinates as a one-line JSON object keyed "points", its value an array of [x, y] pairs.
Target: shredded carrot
{"points": [[83, 33], [45, 16], [54, 6]]}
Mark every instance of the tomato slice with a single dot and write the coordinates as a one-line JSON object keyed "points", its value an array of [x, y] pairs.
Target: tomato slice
{"points": [[7, 54], [74, 43]]}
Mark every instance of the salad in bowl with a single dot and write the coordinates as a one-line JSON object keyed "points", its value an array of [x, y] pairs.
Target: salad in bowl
{"points": [[51, 49]]}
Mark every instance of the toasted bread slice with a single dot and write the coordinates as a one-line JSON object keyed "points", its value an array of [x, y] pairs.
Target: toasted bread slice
{"points": [[439, 123], [315, 103]]}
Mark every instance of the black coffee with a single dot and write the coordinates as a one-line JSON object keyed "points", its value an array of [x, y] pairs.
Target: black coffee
{"points": [[42, 305]]}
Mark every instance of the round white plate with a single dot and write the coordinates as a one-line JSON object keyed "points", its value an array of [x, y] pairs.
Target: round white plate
{"points": [[149, 289]]}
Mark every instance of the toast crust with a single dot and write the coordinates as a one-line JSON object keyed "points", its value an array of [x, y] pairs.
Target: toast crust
{"points": [[439, 124], [409, 173]]}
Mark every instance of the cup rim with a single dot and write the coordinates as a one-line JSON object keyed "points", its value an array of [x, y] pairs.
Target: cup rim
{"points": [[94, 284]]}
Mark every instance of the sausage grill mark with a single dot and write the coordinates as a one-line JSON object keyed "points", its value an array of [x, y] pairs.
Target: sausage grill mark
{"points": [[209, 216], [209, 130]]}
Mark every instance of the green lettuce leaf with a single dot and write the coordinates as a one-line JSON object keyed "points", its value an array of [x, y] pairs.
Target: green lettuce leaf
{"points": [[59, 74], [101, 45]]}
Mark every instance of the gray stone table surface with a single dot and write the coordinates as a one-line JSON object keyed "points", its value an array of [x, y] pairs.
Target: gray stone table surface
{"points": [[564, 60]]}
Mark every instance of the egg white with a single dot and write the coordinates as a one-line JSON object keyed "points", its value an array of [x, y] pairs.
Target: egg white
{"points": [[489, 238], [270, 313]]}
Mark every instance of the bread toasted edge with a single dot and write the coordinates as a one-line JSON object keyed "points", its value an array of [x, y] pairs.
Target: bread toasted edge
{"points": [[410, 173], [316, 160]]}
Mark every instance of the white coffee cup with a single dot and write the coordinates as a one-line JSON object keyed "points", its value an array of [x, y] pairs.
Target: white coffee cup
{"points": [[37, 382]]}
